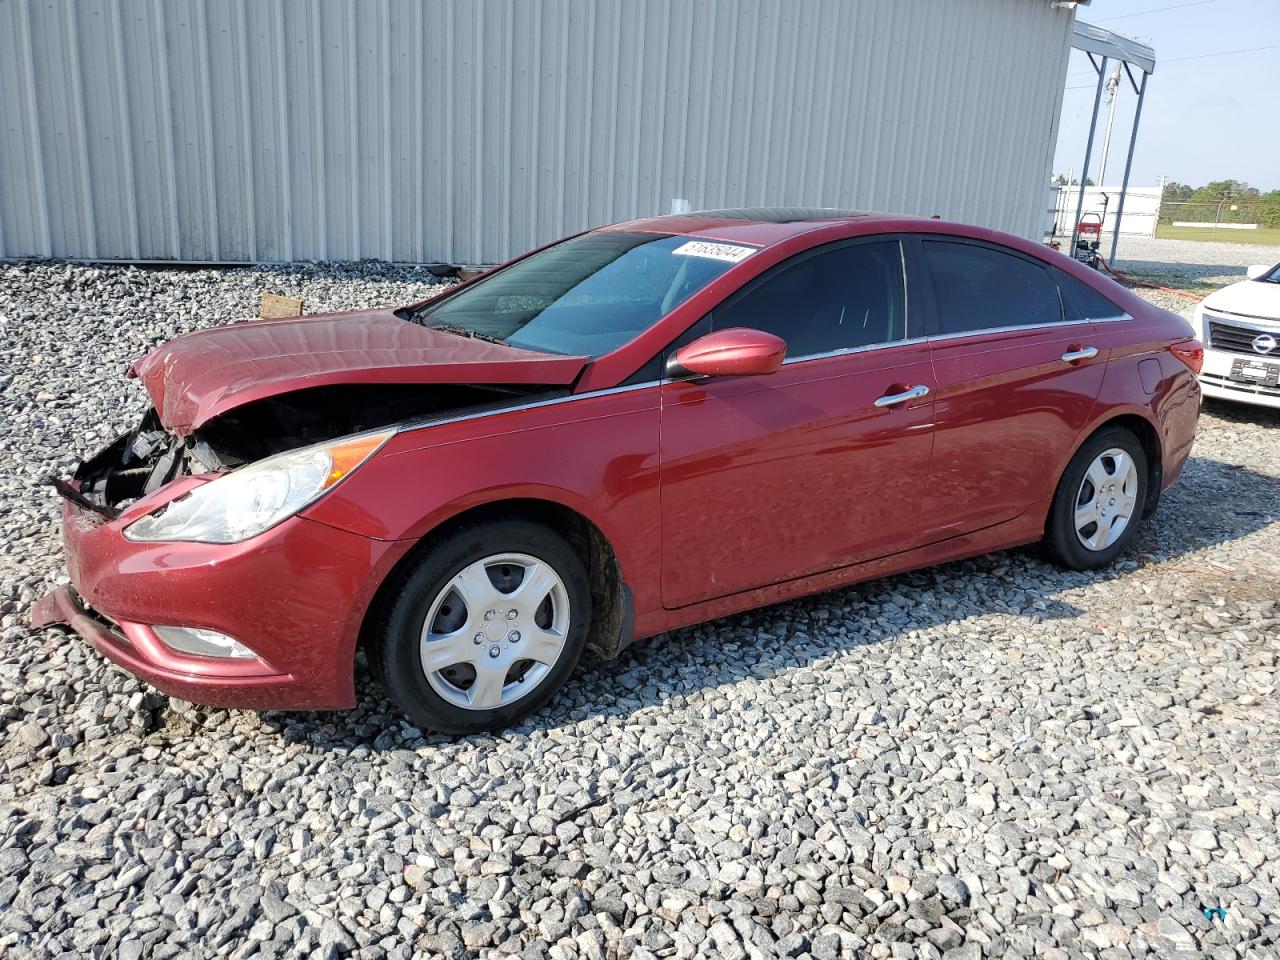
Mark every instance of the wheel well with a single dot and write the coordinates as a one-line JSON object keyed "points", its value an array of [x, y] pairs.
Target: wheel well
{"points": [[1150, 440], [611, 614]]}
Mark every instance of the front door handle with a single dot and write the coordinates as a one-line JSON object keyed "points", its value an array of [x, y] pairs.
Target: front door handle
{"points": [[893, 399], [1076, 354]]}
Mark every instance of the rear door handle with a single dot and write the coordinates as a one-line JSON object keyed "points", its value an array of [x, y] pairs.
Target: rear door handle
{"points": [[893, 399], [1080, 353]]}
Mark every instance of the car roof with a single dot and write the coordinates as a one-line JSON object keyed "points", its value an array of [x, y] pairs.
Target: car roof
{"points": [[760, 226]]}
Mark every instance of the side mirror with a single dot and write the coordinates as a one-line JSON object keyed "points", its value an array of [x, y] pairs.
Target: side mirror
{"points": [[737, 352], [1257, 270]]}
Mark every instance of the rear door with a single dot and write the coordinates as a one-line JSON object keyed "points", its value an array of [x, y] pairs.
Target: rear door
{"points": [[1017, 380], [819, 465]]}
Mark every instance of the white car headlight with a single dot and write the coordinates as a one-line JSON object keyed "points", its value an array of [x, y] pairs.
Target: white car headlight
{"points": [[244, 503]]}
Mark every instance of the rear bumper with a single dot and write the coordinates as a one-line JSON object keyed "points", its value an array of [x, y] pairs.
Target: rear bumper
{"points": [[1239, 393], [1215, 380], [296, 596]]}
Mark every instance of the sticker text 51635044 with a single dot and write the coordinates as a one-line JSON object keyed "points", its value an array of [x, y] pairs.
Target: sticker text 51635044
{"points": [[732, 252]]}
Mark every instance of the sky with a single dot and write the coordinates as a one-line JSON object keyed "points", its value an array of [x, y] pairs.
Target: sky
{"points": [[1208, 118]]}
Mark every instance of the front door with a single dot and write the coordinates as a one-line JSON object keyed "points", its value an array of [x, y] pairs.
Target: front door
{"points": [[819, 465]]}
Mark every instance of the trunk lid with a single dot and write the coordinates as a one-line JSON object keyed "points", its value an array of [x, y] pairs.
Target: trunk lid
{"points": [[201, 375]]}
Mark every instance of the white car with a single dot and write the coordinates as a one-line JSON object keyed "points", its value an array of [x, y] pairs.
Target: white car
{"points": [[1240, 329]]}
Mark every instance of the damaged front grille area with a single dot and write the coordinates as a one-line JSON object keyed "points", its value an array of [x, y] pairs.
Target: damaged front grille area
{"points": [[150, 456], [136, 464]]}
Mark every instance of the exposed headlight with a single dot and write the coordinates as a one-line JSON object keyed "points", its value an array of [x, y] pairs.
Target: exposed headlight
{"points": [[255, 498]]}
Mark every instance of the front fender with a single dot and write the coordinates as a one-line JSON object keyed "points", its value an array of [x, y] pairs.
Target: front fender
{"points": [[596, 456]]}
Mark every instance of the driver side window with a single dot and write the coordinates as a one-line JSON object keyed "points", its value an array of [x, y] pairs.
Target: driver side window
{"points": [[835, 298]]}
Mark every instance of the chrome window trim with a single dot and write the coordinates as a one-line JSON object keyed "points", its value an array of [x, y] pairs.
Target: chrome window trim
{"points": [[845, 351], [1015, 328], [906, 288], [531, 405], [984, 331]]}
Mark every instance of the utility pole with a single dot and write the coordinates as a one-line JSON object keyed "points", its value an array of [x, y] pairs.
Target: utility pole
{"points": [[1113, 89], [1164, 181]]}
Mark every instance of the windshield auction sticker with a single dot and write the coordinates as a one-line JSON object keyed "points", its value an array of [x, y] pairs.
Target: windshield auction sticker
{"points": [[714, 251]]}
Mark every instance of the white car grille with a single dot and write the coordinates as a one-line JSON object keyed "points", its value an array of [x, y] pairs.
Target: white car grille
{"points": [[1235, 338]]}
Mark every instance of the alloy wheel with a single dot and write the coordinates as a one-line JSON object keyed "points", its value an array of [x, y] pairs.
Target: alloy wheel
{"points": [[1106, 499], [494, 631]]}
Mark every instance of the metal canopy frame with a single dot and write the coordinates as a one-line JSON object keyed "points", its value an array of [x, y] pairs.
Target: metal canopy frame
{"points": [[1102, 45]]}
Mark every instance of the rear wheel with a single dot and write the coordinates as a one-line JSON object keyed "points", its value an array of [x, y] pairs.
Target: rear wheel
{"points": [[484, 627], [1099, 502]]}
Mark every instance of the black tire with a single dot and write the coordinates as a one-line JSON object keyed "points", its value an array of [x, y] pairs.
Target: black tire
{"points": [[1061, 542], [395, 640]]}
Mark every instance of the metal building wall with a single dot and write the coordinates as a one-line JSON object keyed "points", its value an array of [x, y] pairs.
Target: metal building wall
{"points": [[469, 130]]}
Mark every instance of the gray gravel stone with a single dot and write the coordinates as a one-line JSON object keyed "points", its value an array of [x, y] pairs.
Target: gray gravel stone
{"points": [[953, 890]]}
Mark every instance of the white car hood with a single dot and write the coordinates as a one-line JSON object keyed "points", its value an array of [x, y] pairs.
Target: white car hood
{"points": [[1250, 298]]}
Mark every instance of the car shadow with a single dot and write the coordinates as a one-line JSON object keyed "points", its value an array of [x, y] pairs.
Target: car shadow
{"points": [[1243, 413], [1213, 503]]}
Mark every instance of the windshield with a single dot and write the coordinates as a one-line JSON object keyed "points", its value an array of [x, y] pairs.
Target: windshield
{"points": [[1272, 275], [588, 295]]}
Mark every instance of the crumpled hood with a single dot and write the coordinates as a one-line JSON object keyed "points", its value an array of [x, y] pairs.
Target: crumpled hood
{"points": [[1251, 298], [196, 377]]}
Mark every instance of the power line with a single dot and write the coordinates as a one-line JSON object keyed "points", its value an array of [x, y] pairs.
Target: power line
{"points": [[1223, 53], [1200, 56], [1143, 13]]}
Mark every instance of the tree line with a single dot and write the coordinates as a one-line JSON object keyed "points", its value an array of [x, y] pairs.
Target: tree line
{"points": [[1222, 201]]}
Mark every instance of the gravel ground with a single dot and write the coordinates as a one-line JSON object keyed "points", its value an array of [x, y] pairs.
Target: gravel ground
{"points": [[992, 758]]}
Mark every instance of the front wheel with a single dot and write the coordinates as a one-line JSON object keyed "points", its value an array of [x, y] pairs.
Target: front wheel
{"points": [[483, 627], [1099, 502]]}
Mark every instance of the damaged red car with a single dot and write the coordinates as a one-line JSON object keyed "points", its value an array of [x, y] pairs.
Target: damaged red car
{"points": [[637, 428]]}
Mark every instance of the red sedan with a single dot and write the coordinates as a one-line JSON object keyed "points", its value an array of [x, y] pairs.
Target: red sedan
{"points": [[638, 428]]}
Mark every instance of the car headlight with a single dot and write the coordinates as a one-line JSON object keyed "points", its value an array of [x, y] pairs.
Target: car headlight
{"points": [[244, 503]]}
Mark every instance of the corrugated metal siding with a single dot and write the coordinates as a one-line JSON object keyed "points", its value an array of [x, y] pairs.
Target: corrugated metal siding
{"points": [[470, 130]]}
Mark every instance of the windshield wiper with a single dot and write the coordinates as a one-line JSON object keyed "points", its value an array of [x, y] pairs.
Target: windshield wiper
{"points": [[464, 332]]}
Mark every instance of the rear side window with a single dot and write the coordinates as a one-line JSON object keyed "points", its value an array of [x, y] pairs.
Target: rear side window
{"points": [[846, 296], [1082, 302], [980, 288]]}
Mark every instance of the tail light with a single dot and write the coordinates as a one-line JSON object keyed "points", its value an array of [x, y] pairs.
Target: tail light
{"points": [[1190, 352]]}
